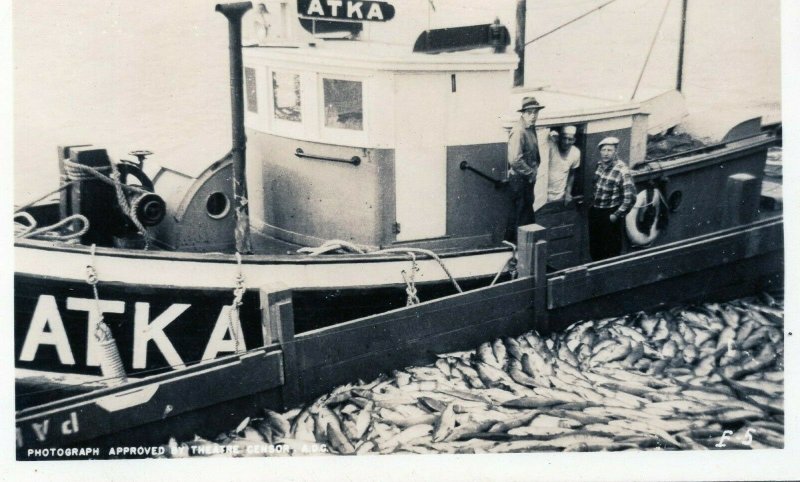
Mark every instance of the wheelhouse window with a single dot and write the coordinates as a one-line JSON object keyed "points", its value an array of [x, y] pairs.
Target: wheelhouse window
{"points": [[250, 89], [286, 96], [344, 108]]}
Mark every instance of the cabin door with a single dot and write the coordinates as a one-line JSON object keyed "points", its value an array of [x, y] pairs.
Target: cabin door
{"points": [[420, 157]]}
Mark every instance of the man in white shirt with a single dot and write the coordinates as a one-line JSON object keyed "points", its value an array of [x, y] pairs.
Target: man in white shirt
{"points": [[564, 159]]}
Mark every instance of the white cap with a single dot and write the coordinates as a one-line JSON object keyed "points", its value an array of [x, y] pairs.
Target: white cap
{"points": [[569, 130], [608, 141]]}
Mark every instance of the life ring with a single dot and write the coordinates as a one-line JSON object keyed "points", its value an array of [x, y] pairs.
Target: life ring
{"points": [[643, 223]]}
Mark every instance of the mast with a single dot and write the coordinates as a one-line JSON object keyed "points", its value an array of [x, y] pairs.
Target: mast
{"points": [[679, 82], [519, 44], [234, 12]]}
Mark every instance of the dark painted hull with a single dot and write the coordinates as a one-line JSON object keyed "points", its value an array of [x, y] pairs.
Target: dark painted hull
{"points": [[297, 367]]}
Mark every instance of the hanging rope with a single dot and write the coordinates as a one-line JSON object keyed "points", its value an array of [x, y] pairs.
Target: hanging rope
{"points": [[426, 252], [233, 315], [650, 51], [567, 23], [411, 288], [110, 361], [511, 264]]}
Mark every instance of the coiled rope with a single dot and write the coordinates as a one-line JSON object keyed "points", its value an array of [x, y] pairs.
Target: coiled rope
{"points": [[333, 245], [50, 232], [76, 171]]}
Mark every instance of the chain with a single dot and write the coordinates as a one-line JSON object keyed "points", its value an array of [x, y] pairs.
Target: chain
{"points": [[238, 294], [91, 279], [411, 288]]}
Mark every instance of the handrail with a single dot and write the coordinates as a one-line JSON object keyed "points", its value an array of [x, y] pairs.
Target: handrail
{"points": [[498, 183], [355, 160]]}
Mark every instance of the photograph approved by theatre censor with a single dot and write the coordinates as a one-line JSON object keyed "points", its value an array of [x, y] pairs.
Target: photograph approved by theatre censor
{"points": [[338, 227]]}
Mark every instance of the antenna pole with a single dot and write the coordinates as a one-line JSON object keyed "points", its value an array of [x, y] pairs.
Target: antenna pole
{"points": [[679, 82]]}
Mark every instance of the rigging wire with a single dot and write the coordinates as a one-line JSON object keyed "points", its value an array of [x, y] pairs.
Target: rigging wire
{"points": [[569, 22], [650, 51]]}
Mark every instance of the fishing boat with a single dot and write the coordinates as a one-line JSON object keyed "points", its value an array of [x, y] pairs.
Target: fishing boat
{"points": [[356, 224]]}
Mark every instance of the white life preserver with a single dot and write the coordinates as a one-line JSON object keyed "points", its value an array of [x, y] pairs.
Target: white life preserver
{"points": [[636, 236]]}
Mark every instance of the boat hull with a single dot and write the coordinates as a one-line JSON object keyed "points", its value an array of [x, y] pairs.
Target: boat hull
{"points": [[297, 367]]}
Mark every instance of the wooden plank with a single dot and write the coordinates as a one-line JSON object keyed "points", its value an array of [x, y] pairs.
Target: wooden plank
{"points": [[562, 231], [129, 406], [718, 283], [656, 265], [382, 332], [419, 351], [540, 280], [527, 236]]}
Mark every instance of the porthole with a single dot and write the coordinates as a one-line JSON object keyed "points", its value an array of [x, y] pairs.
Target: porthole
{"points": [[674, 200], [217, 205]]}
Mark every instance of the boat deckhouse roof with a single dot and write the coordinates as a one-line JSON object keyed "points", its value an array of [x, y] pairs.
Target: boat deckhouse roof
{"points": [[376, 56], [565, 107]]}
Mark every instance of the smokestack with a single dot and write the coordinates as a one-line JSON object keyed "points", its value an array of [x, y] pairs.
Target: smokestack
{"points": [[234, 12], [519, 44]]}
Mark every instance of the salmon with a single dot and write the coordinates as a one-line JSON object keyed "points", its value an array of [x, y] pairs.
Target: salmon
{"points": [[739, 415], [514, 350], [648, 325], [616, 351], [731, 317], [565, 355], [303, 426], [486, 355], [532, 402], [280, 426], [745, 330], [575, 438], [407, 435], [500, 353], [493, 377], [444, 366], [755, 338], [338, 440], [644, 427], [540, 432], [690, 354], [519, 376]]}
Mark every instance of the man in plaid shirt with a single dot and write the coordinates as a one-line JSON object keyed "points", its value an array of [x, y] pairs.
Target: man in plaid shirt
{"points": [[614, 196]]}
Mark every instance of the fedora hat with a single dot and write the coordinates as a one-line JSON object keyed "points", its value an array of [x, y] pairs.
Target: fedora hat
{"points": [[529, 103]]}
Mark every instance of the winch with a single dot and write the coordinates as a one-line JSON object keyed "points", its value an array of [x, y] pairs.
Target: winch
{"points": [[116, 197]]}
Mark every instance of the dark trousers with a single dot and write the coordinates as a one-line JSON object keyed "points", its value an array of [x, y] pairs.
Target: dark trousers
{"points": [[521, 210], [605, 237]]}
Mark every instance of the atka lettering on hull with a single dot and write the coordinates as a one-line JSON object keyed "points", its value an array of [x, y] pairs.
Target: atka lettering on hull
{"points": [[55, 320], [345, 10]]}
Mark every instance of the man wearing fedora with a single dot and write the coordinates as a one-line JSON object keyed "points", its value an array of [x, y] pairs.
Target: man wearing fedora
{"points": [[523, 164]]}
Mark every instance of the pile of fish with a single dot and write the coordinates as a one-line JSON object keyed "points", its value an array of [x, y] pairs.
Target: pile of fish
{"points": [[692, 378]]}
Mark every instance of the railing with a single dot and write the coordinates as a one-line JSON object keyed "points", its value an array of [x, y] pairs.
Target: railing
{"points": [[498, 183], [355, 160]]}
